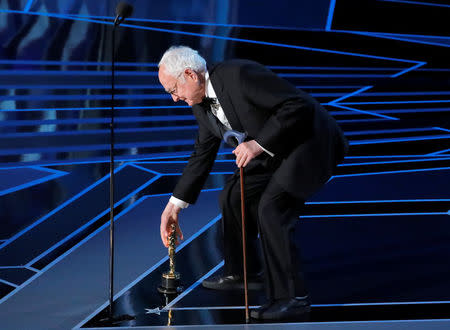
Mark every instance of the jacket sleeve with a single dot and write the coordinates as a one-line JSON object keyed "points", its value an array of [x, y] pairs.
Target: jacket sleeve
{"points": [[290, 111], [199, 165]]}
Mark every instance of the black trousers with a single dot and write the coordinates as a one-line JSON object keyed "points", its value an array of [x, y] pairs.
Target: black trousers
{"points": [[271, 212]]}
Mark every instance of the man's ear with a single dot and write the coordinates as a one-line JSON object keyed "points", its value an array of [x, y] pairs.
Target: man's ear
{"points": [[191, 74]]}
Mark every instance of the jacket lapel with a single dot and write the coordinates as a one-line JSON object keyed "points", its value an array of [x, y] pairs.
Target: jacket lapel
{"points": [[225, 100]]}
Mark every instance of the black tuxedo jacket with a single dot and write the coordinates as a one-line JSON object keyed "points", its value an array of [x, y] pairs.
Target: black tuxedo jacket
{"points": [[281, 118]]}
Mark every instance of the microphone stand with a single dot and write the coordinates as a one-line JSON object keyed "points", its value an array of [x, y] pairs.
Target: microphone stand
{"points": [[111, 319]]}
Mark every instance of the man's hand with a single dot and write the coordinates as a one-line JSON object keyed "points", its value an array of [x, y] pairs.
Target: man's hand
{"points": [[169, 216], [246, 151]]}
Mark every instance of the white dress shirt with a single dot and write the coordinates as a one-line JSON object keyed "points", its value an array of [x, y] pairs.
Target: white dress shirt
{"points": [[220, 114]]}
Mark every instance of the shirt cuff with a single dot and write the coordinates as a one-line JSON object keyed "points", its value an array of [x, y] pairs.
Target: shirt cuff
{"points": [[270, 153], [178, 202]]}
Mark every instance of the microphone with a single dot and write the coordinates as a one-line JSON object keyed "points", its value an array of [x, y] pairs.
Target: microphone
{"points": [[123, 10]]}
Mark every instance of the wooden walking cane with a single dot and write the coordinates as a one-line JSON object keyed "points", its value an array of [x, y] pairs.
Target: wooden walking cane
{"points": [[240, 137]]}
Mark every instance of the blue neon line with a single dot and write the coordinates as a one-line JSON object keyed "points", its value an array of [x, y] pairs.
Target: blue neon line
{"points": [[408, 70], [418, 3], [330, 15], [396, 102], [102, 108], [146, 169], [193, 286], [438, 152], [380, 201], [442, 129], [133, 119], [75, 73], [400, 111], [150, 270], [200, 23], [370, 215], [328, 87], [363, 111], [383, 35], [396, 34], [360, 120], [392, 172], [387, 156], [153, 73], [100, 131], [80, 229], [28, 5], [329, 75], [8, 283], [108, 96], [70, 200], [220, 37], [54, 262], [13, 267], [393, 162], [149, 144], [50, 170], [30, 184], [393, 140], [77, 63], [331, 68], [387, 131], [83, 97], [70, 86], [351, 94], [154, 65], [33, 269]]}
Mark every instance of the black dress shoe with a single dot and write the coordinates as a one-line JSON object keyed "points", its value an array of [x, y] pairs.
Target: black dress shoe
{"points": [[283, 310], [233, 282]]}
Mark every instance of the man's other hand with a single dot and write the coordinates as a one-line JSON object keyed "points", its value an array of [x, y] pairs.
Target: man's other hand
{"points": [[246, 151], [169, 216]]}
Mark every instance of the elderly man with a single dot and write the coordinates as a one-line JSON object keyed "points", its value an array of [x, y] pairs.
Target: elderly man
{"points": [[292, 149]]}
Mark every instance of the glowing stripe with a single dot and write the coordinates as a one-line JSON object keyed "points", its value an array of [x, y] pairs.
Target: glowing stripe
{"points": [[150, 270], [57, 209], [409, 69], [218, 37], [392, 172], [438, 152], [418, 3], [351, 94], [101, 108], [391, 140], [8, 283], [330, 15], [371, 215], [396, 102], [380, 201], [100, 131], [394, 162], [10, 123], [87, 147], [28, 5], [31, 183], [362, 111], [93, 220], [193, 286]]}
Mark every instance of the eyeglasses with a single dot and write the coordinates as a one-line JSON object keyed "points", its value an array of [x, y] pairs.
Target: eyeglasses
{"points": [[174, 89]]}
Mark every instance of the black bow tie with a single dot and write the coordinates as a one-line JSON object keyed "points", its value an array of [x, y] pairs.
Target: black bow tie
{"points": [[208, 101]]}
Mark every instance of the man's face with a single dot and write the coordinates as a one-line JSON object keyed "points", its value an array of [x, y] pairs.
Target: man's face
{"points": [[191, 91]]}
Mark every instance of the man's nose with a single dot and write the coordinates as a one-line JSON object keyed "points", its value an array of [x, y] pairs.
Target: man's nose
{"points": [[175, 98]]}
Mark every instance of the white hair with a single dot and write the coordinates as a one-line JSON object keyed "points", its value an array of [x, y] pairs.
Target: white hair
{"points": [[179, 58]]}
